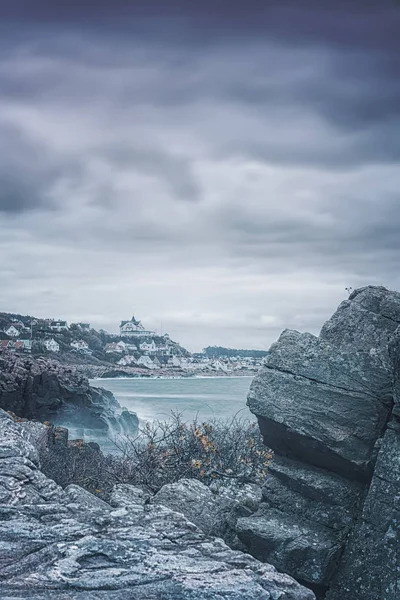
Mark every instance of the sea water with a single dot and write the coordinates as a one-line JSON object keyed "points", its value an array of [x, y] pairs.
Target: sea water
{"points": [[201, 397]]}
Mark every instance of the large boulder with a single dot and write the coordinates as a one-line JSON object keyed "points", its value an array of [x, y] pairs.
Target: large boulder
{"points": [[46, 390], [124, 495], [327, 406], [215, 509], [71, 545], [303, 398]]}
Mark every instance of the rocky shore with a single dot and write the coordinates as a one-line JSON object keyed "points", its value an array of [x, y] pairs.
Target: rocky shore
{"points": [[68, 544], [325, 525], [106, 372], [45, 390]]}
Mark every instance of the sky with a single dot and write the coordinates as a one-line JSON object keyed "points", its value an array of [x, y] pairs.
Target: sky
{"points": [[221, 170]]}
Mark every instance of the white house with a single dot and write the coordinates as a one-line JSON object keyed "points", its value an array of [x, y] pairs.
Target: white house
{"points": [[145, 361], [218, 365], [148, 347], [134, 328], [126, 361], [174, 361], [188, 364], [58, 325], [157, 364], [12, 331], [113, 347], [122, 346], [52, 345], [80, 345]]}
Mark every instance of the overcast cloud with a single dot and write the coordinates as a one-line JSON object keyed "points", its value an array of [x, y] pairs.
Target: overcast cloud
{"points": [[226, 169]]}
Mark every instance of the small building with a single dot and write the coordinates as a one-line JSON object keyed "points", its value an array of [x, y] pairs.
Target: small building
{"points": [[164, 350], [27, 344], [132, 348], [148, 347], [58, 326], [12, 330], [175, 362], [79, 345], [157, 363], [7, 345], [145, 361], [218, 365], [51, 345], [113, 347], [162, 360], [84, 326], [16, 345], [126, 361]]}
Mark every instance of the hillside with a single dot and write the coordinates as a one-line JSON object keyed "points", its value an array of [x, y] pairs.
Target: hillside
{"points": [[133, 351]]}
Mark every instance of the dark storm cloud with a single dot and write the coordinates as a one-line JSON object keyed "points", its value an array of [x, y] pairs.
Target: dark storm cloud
{"points": [[237, 160], [23, 178], [355, 24], [29, 171]]}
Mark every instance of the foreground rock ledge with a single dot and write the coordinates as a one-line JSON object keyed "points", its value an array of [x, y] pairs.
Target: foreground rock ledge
{"points": [[68, 544], [329, 408]]}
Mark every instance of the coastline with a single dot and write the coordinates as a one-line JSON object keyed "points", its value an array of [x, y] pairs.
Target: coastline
{"points": [[152, 377]]}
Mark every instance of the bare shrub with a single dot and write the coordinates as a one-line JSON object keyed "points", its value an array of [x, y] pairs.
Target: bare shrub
{"points": [[78, 463], [164, 452]]}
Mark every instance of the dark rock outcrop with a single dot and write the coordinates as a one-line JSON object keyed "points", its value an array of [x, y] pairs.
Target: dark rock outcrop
{"points": [[44, 390], [68, 544], [329, 408], [370, 566]]}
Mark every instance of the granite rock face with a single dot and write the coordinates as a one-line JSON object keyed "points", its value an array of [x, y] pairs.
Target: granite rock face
{"points": [[370, 566], [46, 390], [215, 510], [124, 494], [328, 407], [68, 544]]}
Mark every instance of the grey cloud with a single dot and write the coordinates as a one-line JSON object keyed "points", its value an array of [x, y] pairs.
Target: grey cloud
{"points": [[23, 180], [175, 170], [245, 173], [308, 19]]}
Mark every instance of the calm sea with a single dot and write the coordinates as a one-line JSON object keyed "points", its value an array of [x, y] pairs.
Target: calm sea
{"points": [[220, 397]]}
